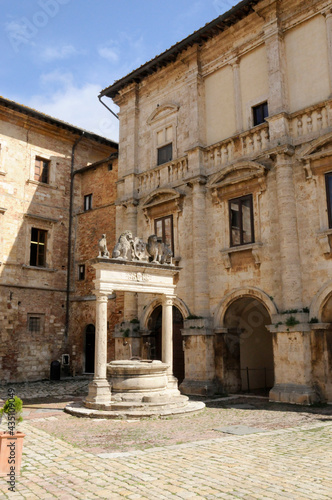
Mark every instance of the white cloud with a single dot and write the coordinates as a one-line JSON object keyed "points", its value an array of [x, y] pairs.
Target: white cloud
{"points": [[58, 53], [78, 106], [109, 53], [58, 78]]}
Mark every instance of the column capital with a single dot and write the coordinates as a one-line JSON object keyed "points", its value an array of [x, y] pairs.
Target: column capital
{"points": [[101, 296], [198, 182], [327, 12], [235, 62], [168, 299]]}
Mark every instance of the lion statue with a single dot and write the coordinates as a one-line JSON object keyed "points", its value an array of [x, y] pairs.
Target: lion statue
{"points": [[102, 246], [124, 249], [159, 252]]}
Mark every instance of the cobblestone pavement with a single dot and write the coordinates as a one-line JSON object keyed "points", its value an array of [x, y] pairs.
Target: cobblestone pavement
{"points": [[292, 463]]}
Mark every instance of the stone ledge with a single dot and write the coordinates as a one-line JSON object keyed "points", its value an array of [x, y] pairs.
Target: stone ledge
{"points": [[36, 268], [255, 250]]}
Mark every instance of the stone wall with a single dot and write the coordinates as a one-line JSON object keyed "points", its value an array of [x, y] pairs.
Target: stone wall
{"points": [[203, 101], [100, 181], [26, 350]]}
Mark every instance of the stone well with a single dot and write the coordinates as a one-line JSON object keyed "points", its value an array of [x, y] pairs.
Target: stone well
{"points": [[139, 389]]}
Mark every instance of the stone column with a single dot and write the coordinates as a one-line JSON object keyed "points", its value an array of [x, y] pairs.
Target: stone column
{"points": [[99, 389], [167, 332], [291, 282], [200, 259], [167, 343]]}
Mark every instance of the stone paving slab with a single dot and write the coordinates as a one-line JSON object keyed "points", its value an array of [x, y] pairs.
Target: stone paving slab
{"points": [[288, 463], [240, 430]]}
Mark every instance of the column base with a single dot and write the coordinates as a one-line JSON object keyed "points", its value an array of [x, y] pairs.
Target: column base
{"points": [[172, 386], [99, 395], [294, 394]]}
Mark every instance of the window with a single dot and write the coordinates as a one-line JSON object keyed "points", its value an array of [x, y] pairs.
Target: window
{"points": [[260, 112], [241, 221], [164, 230], [328, 182], [42, 170], [110, 166], [81, 272], [87, 202], [165, 154], [38, 247], [34, 324]]}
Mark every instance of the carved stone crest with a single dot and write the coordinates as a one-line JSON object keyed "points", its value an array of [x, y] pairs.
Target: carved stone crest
{"points": [[135, 249]]}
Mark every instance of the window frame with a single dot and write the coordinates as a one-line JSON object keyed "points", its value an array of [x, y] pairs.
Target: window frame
{"points": [[81, 272], [161, 149], [240, 200], [34, 316], [329, 198], [39, 244], [260, 107], [162, 219], [46, 167], [87, 203]]}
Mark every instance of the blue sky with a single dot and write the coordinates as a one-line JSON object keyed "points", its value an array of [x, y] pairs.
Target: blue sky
{"points": [[57, 55]]}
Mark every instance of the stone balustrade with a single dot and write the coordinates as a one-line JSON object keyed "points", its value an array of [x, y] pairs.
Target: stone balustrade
{"points": [[311, 120], [246, 144], [163, 175]]}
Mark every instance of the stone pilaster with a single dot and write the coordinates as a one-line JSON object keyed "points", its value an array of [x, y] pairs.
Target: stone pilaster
{"points": [[277, 73], [200, 257], [99, 389], [130, 298], [291, 282], [196, 97], [292, 365], [238, 95], [328, 17]]}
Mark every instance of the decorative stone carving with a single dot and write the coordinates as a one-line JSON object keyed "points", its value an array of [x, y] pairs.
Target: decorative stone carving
{"points": [[135, 249], [124, 249], [102, 245], [159, 251]]}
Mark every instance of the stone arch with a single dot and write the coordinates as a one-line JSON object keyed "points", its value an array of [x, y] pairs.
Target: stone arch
{"points": [[253, 292], [320, 300], [157, 302]]}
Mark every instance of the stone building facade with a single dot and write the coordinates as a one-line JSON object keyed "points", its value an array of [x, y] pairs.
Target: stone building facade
{"points": [[94, 215], [38, 194], [225, 153]]}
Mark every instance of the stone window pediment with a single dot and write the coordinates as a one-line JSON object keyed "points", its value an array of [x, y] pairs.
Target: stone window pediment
{"points": [[162, 112], [162, 202], [238, 178], [317, 157]]}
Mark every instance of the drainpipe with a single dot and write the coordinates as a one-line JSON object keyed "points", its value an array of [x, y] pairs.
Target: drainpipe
{"points": [[71, 202], [109, 109]]}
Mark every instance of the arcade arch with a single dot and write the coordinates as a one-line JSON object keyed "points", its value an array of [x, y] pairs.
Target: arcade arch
{"points": [[244, 347]]}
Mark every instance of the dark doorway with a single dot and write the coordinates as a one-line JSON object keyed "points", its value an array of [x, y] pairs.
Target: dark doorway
{"points": [[90, 349], [247, 351], [155, 326]]}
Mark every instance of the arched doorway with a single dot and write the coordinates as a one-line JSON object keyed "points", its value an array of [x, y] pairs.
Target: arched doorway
{"points": [[248, 349], [155, 327], [90, 349]]}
